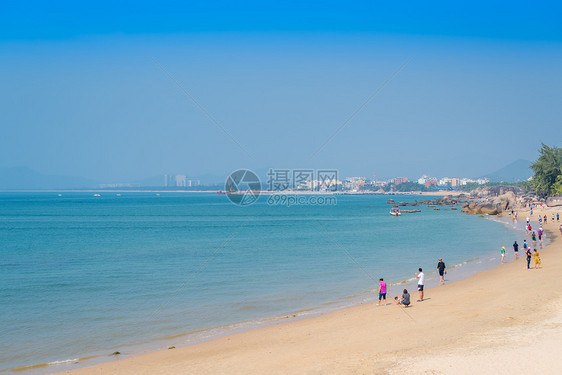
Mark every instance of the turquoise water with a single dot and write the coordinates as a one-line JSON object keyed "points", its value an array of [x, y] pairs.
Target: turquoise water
{"points": [[87, 276]]}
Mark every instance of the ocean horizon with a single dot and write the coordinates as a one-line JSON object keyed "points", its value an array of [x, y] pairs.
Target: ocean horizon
{"points": [[87, 276]]}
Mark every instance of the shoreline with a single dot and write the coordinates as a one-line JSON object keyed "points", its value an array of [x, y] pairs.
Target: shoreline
{"points": [[162, 339], [293, 327], [458, 271]]}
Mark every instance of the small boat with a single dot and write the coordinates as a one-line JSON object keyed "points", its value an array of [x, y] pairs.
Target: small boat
{"points": [[395, 211], [97, 195]]}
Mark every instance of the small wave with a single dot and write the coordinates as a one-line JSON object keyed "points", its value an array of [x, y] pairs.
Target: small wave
{"points": [[52, 363], [402, 282], [29, 367], [63, 361], [302, 311]]}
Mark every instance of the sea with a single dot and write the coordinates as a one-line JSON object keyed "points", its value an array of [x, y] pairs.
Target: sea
{"points": [[84, 276]]}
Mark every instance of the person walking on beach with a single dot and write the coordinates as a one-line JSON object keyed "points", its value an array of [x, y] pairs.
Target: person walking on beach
{"points": [[528, 253], [502, 252], [537, 260], [516, 250], [421, 279], [534, 237], [382, 291], [442, 271], [539, 232], [557, 216]]}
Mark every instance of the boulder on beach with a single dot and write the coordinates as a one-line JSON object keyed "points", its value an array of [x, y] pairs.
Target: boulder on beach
{"points": [[493, 191], [554, 201], [505, 201], [488, 208], [495, 206]]}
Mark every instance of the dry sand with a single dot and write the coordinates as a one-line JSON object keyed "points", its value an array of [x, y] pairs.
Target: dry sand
{"points": [[507, 320]]}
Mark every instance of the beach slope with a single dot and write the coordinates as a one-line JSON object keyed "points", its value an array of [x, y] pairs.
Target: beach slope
{"points": [[505, 320]]}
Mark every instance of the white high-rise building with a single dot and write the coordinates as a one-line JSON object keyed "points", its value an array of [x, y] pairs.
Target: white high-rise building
{"points": [[181, 180], [422, 179]]}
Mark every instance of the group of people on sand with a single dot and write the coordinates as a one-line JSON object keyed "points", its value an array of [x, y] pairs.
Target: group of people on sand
{"points": [[404, 299], [401, 300], [529, 253]]}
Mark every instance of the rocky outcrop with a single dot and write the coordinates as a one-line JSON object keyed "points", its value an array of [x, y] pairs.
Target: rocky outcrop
{"points": [[499, 204], [488, 208], [405, 204], [410, 211], [554, 201], [494, 191], [505, 201], [390, 201]]}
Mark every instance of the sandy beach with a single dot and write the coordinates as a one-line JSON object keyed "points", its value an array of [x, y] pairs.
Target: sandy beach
{"points": [[507, 320]]}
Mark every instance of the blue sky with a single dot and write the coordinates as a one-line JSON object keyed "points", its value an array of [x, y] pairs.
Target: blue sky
{"points": [[83, 92]]}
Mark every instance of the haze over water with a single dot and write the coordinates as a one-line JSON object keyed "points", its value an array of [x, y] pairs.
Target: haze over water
{"points": [[84, 275]]}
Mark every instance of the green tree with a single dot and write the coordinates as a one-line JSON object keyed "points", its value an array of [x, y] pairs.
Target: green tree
{"points": [[548, 171]]}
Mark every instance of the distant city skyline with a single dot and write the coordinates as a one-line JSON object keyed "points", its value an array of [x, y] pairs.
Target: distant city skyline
{"points": [[25, 178], [391, 89]]}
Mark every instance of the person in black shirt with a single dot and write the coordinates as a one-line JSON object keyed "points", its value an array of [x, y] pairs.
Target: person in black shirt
{"points": [[516, 250], [442, 272], [528, 253]]}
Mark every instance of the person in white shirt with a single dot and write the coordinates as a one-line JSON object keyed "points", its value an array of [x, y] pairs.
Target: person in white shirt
{"points": [[420, 276]]}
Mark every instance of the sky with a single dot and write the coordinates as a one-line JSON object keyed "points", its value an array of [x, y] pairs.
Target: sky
{"points": [[121, 91]]}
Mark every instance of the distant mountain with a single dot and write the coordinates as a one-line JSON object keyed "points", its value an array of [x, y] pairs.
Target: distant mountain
{"points": [[23, 178], [519, 170]]}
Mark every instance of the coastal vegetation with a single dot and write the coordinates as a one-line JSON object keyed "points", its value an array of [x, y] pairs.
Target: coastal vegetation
{"points": [[472, 186], [406, 187], [547, 179]]}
